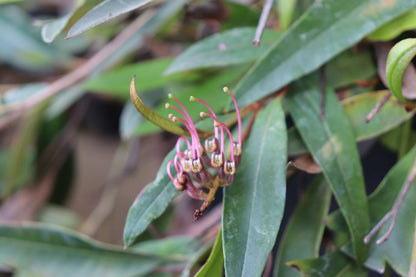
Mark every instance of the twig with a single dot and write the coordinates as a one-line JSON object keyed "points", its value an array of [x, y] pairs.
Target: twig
{"points": [[322, 83], [262, 21], [76, 75], [394, 210], [378, 107]]}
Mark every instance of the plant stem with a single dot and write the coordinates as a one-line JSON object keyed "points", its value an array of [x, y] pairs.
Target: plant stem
{"points": [[262, 21], [378, 107]]}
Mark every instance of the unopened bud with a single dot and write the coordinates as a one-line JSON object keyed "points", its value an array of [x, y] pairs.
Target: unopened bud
{"points": [[211, 145], [217, 159], [196, 165], [237, 148], [229, 167], [186, 164]]}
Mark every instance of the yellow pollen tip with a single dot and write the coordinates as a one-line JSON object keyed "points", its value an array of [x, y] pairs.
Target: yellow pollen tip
{"points": [[170, 95], [167, 106], [201, 114], [191, 98]]}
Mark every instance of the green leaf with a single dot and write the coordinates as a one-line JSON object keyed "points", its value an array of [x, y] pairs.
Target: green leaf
{"points": [[215, 263], [228, 48], [8, 1], [286, 9], [397, 250], [149, 75], [397, 61], [357, 108], [254, 203], [129, 120], [395, 27], [390, 116], [24, 47], [103, 12], [180, 248], [152, 116], [348, 67], [150, 203], [209, 89], [332, 143], [53, 28], [329, 265], [303, 234], [328, 28], [42, 250]]}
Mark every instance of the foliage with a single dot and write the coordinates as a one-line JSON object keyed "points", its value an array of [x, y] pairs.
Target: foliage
{"points": [[303, 105]]}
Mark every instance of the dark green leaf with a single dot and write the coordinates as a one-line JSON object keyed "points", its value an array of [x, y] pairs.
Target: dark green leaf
{"points": [[179, 247], [150, 203], [328, 28], [397, 249], [228, 48], [332, 143], [152, 116], [346, 68], [391, 115], [103, 12], [40, 250], [215, 263], [330, 265], [253, 204], [303, 234], [397, 61], [357, 108]]}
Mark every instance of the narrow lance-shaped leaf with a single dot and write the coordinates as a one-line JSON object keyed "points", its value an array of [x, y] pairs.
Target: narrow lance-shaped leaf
{"points": [[224, 49], [357, 108], [397, 249], [303, 234], [152, 116], [215, 263], [254, 203], [42, 250], [332, 143], [328, 28], [150, 203], [103, 12]]}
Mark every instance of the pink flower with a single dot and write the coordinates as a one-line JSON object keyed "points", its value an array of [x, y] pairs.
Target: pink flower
{"points": [[192, 164]]}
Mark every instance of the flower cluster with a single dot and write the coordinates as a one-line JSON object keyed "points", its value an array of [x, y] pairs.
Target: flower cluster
{"points": [[200, 166]]}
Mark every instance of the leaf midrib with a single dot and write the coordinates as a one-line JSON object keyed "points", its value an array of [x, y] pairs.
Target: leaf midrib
{"points": [[255, 186]]}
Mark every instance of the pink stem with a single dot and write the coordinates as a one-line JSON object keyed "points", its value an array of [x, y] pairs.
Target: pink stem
{"points": [[237, 111]]}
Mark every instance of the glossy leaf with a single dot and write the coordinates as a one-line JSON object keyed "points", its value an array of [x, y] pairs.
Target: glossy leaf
{"points": [[224, 49], [41, 250], [328, 28], [254, 203], [391, 115], [330, 265], [152, 116], [303, 234], [335, 150], [215, 263], [54, 27], [357, 108], [395, 27], [103, 12], [151, 202], [397, 61], [397, 250]]}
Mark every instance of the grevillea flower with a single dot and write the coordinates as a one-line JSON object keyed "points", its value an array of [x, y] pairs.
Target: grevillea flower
{"points": [[205, 166]]}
